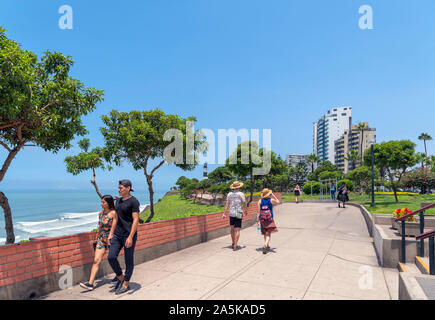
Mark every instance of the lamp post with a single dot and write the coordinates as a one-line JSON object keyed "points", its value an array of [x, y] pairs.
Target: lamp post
{"points": [[373, 173]]}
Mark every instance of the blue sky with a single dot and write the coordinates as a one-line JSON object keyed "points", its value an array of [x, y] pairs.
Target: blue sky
{"points": [[234, 64]]}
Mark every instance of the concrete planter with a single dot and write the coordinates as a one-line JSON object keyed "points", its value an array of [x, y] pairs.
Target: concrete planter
{"points": [[412, 229], [394, 225]]}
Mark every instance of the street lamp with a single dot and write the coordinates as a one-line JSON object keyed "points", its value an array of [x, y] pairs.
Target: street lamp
{"points": [[372, 142]]}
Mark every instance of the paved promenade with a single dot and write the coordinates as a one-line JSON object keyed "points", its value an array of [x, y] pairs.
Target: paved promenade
{"points": [[320, 252]]}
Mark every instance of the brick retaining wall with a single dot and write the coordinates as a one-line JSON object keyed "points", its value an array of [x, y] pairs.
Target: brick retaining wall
{"points": [[32, 268]]}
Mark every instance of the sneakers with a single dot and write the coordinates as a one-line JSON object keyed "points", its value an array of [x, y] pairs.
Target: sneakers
{"points": [[122, 289], [114, 279], [117, 285], [87, 286], [264, 250]]}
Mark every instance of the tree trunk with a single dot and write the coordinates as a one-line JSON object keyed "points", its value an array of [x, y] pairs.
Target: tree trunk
{"points": [[4, 203], [425, 150], [95, 184], [393, 185], [150, 188]]}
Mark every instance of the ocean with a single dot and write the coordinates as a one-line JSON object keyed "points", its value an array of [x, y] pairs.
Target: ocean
{"points": [[53, 213]]}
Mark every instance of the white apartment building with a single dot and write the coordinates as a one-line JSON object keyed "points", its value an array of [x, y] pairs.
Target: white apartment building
{"points": [[293, 159], [329, 128]]}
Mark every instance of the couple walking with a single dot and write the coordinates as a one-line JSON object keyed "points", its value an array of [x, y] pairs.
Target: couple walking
{"points": [[236, 206], [117, 230]]}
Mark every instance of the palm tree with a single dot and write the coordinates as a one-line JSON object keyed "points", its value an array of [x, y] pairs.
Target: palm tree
{"points": [[362, 127], [312, 158], [353, 156], [425, 137]]}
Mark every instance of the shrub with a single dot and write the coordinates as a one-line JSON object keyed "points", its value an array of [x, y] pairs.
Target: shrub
{"points": [[348, 183], [307, 187], [422, 178]]}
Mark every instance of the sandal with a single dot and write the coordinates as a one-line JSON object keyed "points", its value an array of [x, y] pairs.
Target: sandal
{"points": [[264, 250]]}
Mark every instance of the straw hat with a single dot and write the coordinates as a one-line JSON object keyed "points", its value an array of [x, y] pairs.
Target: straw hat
{"points": [[266, 193], [236, 185]]}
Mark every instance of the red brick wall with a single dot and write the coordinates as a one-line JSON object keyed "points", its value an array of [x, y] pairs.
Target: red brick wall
{"points": [[19, 262]]}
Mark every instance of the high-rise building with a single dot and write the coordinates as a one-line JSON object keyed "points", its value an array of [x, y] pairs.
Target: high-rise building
{"points": [[351, 140], [293, 159], [328, 129]]}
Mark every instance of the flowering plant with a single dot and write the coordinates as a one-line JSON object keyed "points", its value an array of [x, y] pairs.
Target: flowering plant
{"points": [[403, 212]]}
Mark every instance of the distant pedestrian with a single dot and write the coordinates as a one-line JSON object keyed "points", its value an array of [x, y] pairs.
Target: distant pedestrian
{"points": [[342, 195], [105, 232], [125, 236], [332, 191], [265, 216], [297, 192], [236, 206]]}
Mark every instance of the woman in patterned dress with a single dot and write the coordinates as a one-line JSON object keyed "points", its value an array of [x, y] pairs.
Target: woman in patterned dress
{"points": [[106, 219], [265, 216]]}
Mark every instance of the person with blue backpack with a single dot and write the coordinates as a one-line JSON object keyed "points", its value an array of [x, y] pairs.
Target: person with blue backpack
{"points": [[265, 216]]}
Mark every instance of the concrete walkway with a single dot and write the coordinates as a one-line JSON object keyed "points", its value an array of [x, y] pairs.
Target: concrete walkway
{"points": [[320, 252]]}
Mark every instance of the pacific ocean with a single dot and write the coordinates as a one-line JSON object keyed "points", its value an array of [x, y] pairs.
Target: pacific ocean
{"points": [[52, 213]]}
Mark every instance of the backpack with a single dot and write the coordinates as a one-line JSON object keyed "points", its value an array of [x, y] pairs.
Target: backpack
{"points": [[265, 213]]}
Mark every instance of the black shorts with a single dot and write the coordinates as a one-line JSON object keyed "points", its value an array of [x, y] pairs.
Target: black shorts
{"points": [[237, 223]]}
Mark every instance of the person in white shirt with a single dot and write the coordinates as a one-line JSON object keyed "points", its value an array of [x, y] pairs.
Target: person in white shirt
{"points": [[236, 206]]}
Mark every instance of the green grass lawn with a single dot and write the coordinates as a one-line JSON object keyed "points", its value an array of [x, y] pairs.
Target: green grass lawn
{"points": [[173, 207], [384, 203]]}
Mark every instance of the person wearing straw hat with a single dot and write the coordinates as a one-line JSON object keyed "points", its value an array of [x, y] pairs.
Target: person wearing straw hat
{"points": [[265, 216], [236, 206]]}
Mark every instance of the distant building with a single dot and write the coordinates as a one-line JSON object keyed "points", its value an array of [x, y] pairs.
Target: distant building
{"points": [[293, 159], [351, 140], [328, 129]]}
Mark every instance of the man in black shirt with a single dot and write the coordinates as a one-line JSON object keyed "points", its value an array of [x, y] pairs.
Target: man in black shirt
{"points": [[124, 236]]}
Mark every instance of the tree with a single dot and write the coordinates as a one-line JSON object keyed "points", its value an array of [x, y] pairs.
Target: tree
{"points": [[422, 158], [425, 137], [220, 175], [141, 136], [41, 105], [353, 156], [395, 157], [300, 173], [189, 188], [182, 182], [87, 160], [362, 127], [324, 166], [330, 175], [243, 167], [422, 178], [312, 159], [361, 177], [204, 185]]}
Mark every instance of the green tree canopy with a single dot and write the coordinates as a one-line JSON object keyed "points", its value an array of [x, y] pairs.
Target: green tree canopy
{"points": [[140, 137], [395, 157], [425, 137], [40, 105], [324, 166], [220, 175], [87, 160], [312, 159]]}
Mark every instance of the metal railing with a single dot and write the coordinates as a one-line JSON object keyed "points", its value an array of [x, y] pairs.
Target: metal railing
{"points": [[430, 235], [403, 218]]}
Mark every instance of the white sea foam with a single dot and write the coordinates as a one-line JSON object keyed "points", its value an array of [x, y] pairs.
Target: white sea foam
{"points": [[66, 221]]}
